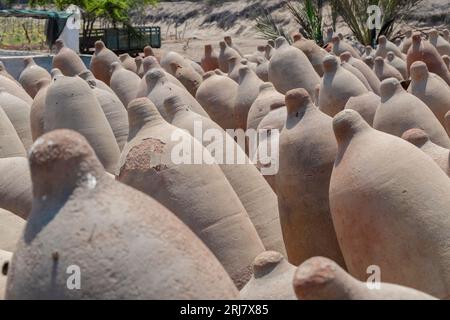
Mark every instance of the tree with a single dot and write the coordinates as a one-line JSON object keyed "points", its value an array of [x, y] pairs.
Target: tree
{"points": [[113, 11]]}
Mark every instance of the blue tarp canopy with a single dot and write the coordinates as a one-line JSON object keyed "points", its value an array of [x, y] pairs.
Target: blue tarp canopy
{"points": [[37, 14]]}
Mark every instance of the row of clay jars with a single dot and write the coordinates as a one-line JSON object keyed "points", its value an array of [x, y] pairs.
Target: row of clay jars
{"points": [[18, 112], [124, 83], [217, 95], [307, 153], [148, 253], [420, 139], [67, 60], [362, 67], [259, 201], [14, 88], [386, 183], [70, 103], [101, 62], [422, 50], [400, 111], [30, 75], [317, 278], [441, 45], [11, 228], [219, 219], [289, 68], [15, 186], [313, 52], [160, 88], [320, 278], [248, 91], [431, 89], [5, 259], [337, 86]]}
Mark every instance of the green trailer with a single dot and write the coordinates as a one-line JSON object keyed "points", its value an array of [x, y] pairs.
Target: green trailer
{"points": [[131, 40]]}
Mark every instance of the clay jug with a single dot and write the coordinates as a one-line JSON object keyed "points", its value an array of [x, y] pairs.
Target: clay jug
{"points": [[196, 67], [365, 69], [14, 88], [10, 143], [420, 139], [248, 91], [150, 63], [271, 280], [267, 99], [385, 70], [128, 62], [5, 259], [306, 141], [259, 201], [289, 68], [366, 104], [18, 112], [124, 83], [37, 110], [70, 103], [313, 52], [190, 79], [234, 63], [67, 60], [210, 60], [101, 62], [94, 217], [230, 43], [160, 88], [347, 66], [217, 95], [219, 219], [431, 89], [407, 42], [148, 51], [385, 182], [15, 186], [270, 50], [397, 63], [274, 120], [384, 46], [139, 66], [30, 75], [368, 52], [441, 45], [320, 278], [424, 51], [338, 85], [447, 122], [339, 47], [115, 113], [369, 61], [262, 69], [400, 111], [446, 59], [172, 57], [89, 77], [11, 228], [225, 54], [5, 73]]}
